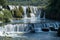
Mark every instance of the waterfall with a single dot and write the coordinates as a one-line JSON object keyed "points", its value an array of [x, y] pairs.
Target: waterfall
{"points": [[25, 15], [24, 9], [34, 15], [16, 28], [38, 14], [44, 16]]}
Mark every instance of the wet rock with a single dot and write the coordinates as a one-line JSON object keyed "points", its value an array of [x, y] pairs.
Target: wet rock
{"points": [[58, 32], [45, 29], [52, 29], [31, 28]]}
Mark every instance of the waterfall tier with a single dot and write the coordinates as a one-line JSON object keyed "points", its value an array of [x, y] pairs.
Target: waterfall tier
{"points": [[31, 14]]}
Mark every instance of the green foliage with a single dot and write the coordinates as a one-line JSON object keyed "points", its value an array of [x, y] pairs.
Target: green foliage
{"points": [[53, 10], [7, 15], [3, 2], [30, 2], [1, 16]]}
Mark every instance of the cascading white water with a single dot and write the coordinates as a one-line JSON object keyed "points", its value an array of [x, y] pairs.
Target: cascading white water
{"points": [[25, 15], [15, 28], [38, 14], [25, 27], [35, 14], [24, 9], [9, 28]]}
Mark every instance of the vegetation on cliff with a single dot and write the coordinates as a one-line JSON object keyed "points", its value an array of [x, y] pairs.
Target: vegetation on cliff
{"points": [[5, 15], [53, 10]]}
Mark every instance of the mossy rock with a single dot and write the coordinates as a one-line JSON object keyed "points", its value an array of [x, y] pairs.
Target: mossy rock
{"points": [[21, 10], [17, 13], [28, 12]]}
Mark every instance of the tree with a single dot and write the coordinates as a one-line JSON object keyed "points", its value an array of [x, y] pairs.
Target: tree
{"points": [[53, 10], [3, 2], [7, 15]]}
